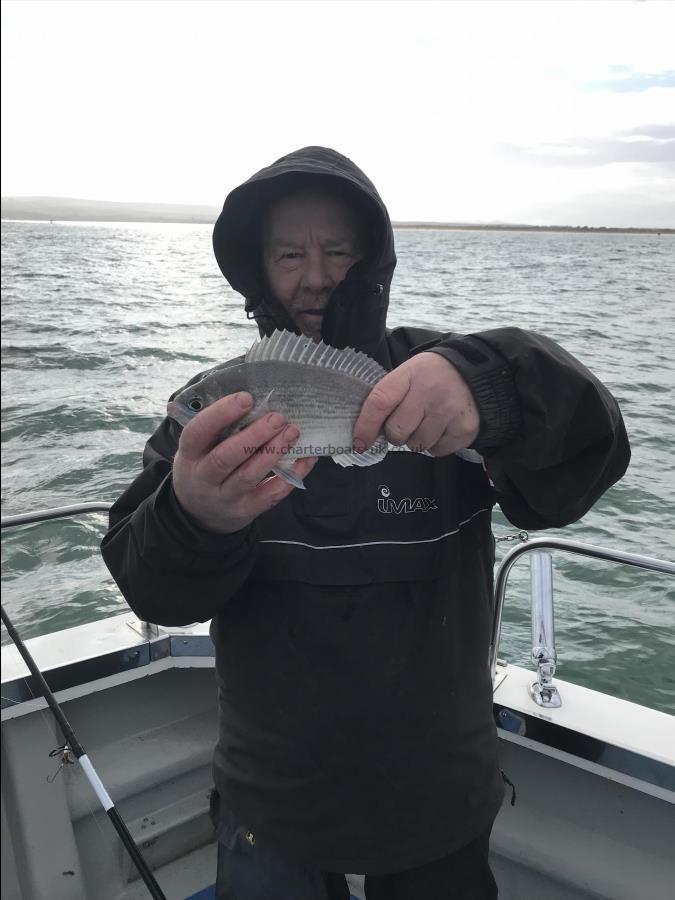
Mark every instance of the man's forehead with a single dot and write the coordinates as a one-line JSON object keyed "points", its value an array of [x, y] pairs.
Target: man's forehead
{"points": [[309, 208]]}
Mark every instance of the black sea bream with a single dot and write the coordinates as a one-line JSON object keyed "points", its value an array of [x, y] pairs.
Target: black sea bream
{"points": [[317, 388]]}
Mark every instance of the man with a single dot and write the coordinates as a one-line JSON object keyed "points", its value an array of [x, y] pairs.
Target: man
{"points": [[352, 620]]}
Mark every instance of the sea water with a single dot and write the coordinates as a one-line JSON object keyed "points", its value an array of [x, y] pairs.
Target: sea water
{"points": [[101, 322]]}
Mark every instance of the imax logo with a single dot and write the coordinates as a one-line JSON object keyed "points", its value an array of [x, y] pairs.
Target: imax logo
{"points": [[386, 504]]}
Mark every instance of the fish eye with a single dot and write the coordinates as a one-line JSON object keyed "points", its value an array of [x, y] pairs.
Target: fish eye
{"points": [[196, 404]]}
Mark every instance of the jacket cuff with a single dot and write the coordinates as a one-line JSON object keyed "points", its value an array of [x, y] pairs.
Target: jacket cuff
{"points": [[191, 537], [491, 382]]}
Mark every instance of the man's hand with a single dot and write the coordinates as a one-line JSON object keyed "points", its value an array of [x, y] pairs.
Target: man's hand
{"points": [[217, 482], [424, 403]]}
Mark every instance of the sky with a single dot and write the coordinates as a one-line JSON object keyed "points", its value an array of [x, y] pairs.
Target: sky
{"points": [[531, 112]]}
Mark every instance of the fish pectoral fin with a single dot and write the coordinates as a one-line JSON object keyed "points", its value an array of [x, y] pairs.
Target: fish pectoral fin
{"points": [[259, 410], [265, 404], [284, 469]]}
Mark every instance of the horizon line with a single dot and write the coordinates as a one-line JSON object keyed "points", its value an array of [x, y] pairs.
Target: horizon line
{"points": [[206, 214]]}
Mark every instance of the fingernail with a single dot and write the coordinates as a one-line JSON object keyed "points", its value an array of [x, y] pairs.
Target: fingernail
{"points": [[291, 433], [359, 447], [244, 400], [276, 420]]}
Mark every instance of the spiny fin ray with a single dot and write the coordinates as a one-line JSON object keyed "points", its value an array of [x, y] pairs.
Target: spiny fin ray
{"points": [[284, 346]]}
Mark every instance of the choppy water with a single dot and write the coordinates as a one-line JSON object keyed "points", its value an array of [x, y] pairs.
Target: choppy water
{"points": [[101, 322]]}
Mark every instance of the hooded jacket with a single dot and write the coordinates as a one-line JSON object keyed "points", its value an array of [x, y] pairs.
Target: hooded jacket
{"points": [[352, 621]]}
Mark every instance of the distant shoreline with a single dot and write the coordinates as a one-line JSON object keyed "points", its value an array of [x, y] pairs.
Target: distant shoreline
{"points": [[72, 210], [397, 226], [584, 229]]}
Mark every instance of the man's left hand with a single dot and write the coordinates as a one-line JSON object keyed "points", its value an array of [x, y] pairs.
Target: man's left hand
{"points": [[424, 403]]}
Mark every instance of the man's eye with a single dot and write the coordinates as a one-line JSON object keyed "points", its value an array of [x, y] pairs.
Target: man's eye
{"points": [[291, 254], [338, 253]]}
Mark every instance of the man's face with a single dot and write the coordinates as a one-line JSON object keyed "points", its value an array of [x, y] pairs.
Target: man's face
{"points": [[310, 241]]}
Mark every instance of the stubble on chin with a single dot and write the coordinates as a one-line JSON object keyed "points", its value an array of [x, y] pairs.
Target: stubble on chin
{"points": [[314, 334], [308, 329]]}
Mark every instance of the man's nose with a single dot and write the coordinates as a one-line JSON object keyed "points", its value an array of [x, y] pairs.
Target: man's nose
{"points": [[317, 275]]}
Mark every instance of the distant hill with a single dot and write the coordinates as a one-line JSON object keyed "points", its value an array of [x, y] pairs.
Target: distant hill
{"points": [[69, 209]]}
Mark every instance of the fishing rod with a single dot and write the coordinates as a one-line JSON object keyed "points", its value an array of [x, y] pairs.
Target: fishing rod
{"points": [[77, 748]]}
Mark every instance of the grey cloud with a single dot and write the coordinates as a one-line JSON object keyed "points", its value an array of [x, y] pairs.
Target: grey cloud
{"points": [[587, 152], [656, 132], [632, 83]]}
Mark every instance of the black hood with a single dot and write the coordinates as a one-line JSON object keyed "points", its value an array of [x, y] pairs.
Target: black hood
{"points": [[357, 310]]}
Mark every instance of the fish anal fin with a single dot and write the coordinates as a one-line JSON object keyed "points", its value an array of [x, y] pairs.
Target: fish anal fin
{"points": [[284, 469]]}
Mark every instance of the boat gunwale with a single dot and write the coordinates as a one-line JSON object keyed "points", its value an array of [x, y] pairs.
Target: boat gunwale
{"points": [[135, 657]]}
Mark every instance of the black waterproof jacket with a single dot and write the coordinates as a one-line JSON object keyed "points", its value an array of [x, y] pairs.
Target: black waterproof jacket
{"points": [[352, 621]]}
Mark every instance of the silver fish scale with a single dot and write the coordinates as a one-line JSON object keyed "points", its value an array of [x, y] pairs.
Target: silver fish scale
{"points": [[317, 388], [322, 403]]}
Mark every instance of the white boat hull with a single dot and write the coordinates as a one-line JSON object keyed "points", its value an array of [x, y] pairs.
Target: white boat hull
{"points": [[594, 815]]}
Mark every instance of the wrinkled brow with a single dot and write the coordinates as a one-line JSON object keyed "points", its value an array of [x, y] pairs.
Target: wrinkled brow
{"points": [[330, 243]]}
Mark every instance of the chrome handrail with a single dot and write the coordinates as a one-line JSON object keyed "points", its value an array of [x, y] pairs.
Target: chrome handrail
{"points": [[636, 560], [581, 549], [56, 512], [147, 630], [543, 691]]}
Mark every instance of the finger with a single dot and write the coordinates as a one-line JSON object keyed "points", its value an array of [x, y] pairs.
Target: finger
{"points": [[403, 422], [235, 451], [379, 404], [430, 431], [444, 447], [260, 463], [447, 443], [205, 430]]}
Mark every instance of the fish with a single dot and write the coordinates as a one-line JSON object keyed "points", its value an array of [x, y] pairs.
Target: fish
{"points": [[318, 388]]}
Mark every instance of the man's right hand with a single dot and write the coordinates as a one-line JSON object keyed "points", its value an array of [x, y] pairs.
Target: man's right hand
{"points": [[218, 482]]}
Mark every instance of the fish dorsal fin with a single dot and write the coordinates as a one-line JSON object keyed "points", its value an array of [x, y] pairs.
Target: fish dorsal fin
{"points": [[285, 346]]}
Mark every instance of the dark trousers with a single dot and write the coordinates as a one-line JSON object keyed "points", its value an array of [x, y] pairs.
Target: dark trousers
{"points": [[249, 872]]}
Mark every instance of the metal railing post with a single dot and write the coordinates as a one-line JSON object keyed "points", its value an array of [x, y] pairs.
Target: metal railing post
{"points": [[543, 691], [579, 548]]}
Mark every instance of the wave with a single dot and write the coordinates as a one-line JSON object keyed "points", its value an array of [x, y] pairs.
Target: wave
{"points": [[55, 356], [101, 324]]}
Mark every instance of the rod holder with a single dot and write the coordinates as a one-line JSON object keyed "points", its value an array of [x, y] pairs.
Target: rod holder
{"points": [[543, 691]]}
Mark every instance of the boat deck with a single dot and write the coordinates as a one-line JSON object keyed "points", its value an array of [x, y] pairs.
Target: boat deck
{"points": [[595, 778]]}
